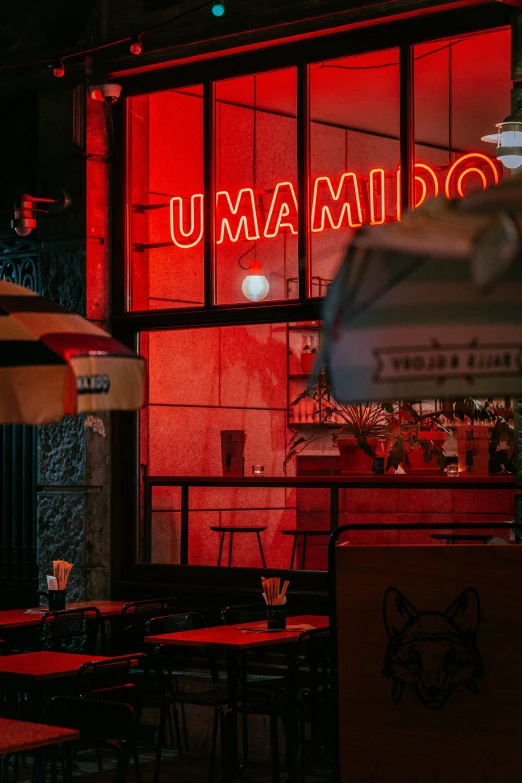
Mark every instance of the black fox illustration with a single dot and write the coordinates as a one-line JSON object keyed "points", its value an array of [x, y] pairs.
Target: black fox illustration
{"points": [[433, 652]]}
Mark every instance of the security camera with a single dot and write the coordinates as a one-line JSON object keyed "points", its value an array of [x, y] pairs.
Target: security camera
{"points": [[105, 93]]}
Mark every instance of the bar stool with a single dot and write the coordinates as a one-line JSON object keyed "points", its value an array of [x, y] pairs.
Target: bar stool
{"points": [[304, 534], [231, 531]]}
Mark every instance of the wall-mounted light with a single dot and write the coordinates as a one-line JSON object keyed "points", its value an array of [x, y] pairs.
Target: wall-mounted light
{"points": [[218, 9], [58, 69], [508, 140], [255, 285], [136, 46], [25, 211]]}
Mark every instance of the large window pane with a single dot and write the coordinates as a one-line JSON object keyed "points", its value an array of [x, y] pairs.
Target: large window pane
{"points": [[205, 381], [165, 194], [256, 174], [462, 89], [355, 153]]}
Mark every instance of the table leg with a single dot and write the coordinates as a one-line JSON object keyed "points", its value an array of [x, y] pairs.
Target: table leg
{"points": [[244, 713], [261, 550], [294, 550], [221, 542], [303, 558], [230, 544], [230, 761]]}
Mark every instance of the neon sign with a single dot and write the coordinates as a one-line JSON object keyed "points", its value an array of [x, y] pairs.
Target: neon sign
{"points": [[350, 202]]}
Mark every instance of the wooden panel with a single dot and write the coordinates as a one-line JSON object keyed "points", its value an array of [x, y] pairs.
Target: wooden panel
{"points": [[449, 708]]}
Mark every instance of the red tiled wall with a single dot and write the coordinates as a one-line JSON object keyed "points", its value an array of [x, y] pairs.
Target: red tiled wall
{"points": [[203, 381]]}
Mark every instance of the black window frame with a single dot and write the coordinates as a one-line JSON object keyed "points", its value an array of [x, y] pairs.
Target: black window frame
{"points": [[127, 324]]}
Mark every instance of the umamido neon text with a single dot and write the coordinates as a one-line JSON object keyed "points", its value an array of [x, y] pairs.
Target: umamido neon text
{"points": [[350, 201]]}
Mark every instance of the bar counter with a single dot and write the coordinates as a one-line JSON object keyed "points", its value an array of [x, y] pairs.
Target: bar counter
{"points": [[340, 503]]}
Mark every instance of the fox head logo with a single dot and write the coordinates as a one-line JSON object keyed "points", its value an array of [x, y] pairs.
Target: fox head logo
{"points": [[432, 652]]}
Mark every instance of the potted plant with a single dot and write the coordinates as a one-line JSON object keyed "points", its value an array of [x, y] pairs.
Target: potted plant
{"points": [[410, 440], [501, 432], [362, 435], [417, 440]]}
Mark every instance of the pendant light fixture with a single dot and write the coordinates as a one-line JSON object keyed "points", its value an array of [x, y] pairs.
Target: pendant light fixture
{"points": [[255, 285], [508, 140]]}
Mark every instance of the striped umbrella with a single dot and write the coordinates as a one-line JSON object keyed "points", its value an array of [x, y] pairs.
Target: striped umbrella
{"points": [[54, 362]]}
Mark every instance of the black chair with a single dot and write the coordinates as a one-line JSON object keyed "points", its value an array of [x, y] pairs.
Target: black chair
{"points": [[71, 628], [5, 648], [243, 613], [314, 699], [167, 660], [7, 598], [101, 724], [268, 663], [123, 680], [260, 670], [135, 616], [300, 698]]}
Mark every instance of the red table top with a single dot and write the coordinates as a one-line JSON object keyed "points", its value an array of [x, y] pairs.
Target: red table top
{"points": [[232, 636], [38, 666], [17, 736], [16, 618]]}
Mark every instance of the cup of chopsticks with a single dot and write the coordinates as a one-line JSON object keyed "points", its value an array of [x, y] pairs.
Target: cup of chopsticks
{"points": [[275, 599], [57, 584]]}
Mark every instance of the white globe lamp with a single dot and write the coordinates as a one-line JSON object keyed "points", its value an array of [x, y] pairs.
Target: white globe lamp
{"points": [[255, 285]]}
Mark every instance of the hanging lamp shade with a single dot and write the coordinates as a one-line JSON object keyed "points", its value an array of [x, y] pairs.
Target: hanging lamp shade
{"points": [[431, 307]]}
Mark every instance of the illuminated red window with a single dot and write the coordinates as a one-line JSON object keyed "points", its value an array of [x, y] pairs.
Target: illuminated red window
{"points": [[355, 153], [256, 173], [165, 200], [355, 170], [462, 89]]}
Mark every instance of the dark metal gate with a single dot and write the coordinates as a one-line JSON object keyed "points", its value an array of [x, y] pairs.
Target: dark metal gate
{"points": [[18, 454]]}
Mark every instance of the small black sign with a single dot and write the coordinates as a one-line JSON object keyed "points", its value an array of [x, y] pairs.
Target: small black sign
{"points": [[93, 384]]}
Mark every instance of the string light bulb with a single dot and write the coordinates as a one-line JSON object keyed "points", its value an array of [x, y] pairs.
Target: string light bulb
{"points": [[58, 69], [136, 46], [255, 285], [218, 9], [508, 140]]}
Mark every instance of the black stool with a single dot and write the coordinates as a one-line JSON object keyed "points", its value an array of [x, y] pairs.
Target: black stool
{"points": [[304, 534], [231, 531]]}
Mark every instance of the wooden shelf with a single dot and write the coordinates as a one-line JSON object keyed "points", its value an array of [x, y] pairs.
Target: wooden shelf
{"points": [[311, 328], [295, 426]]}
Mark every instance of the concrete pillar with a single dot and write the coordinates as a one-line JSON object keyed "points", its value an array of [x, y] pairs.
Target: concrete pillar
{"points": [[74, 455]]}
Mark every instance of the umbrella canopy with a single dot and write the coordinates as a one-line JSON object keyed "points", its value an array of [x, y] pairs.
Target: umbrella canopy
{"points": [[431, 307], [53, 362]]}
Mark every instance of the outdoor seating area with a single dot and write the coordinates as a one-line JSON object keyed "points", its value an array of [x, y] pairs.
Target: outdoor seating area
{"points": [[141, 671]]}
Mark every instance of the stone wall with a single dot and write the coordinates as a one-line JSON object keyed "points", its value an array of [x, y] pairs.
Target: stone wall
{"points": [[73, 506]]}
